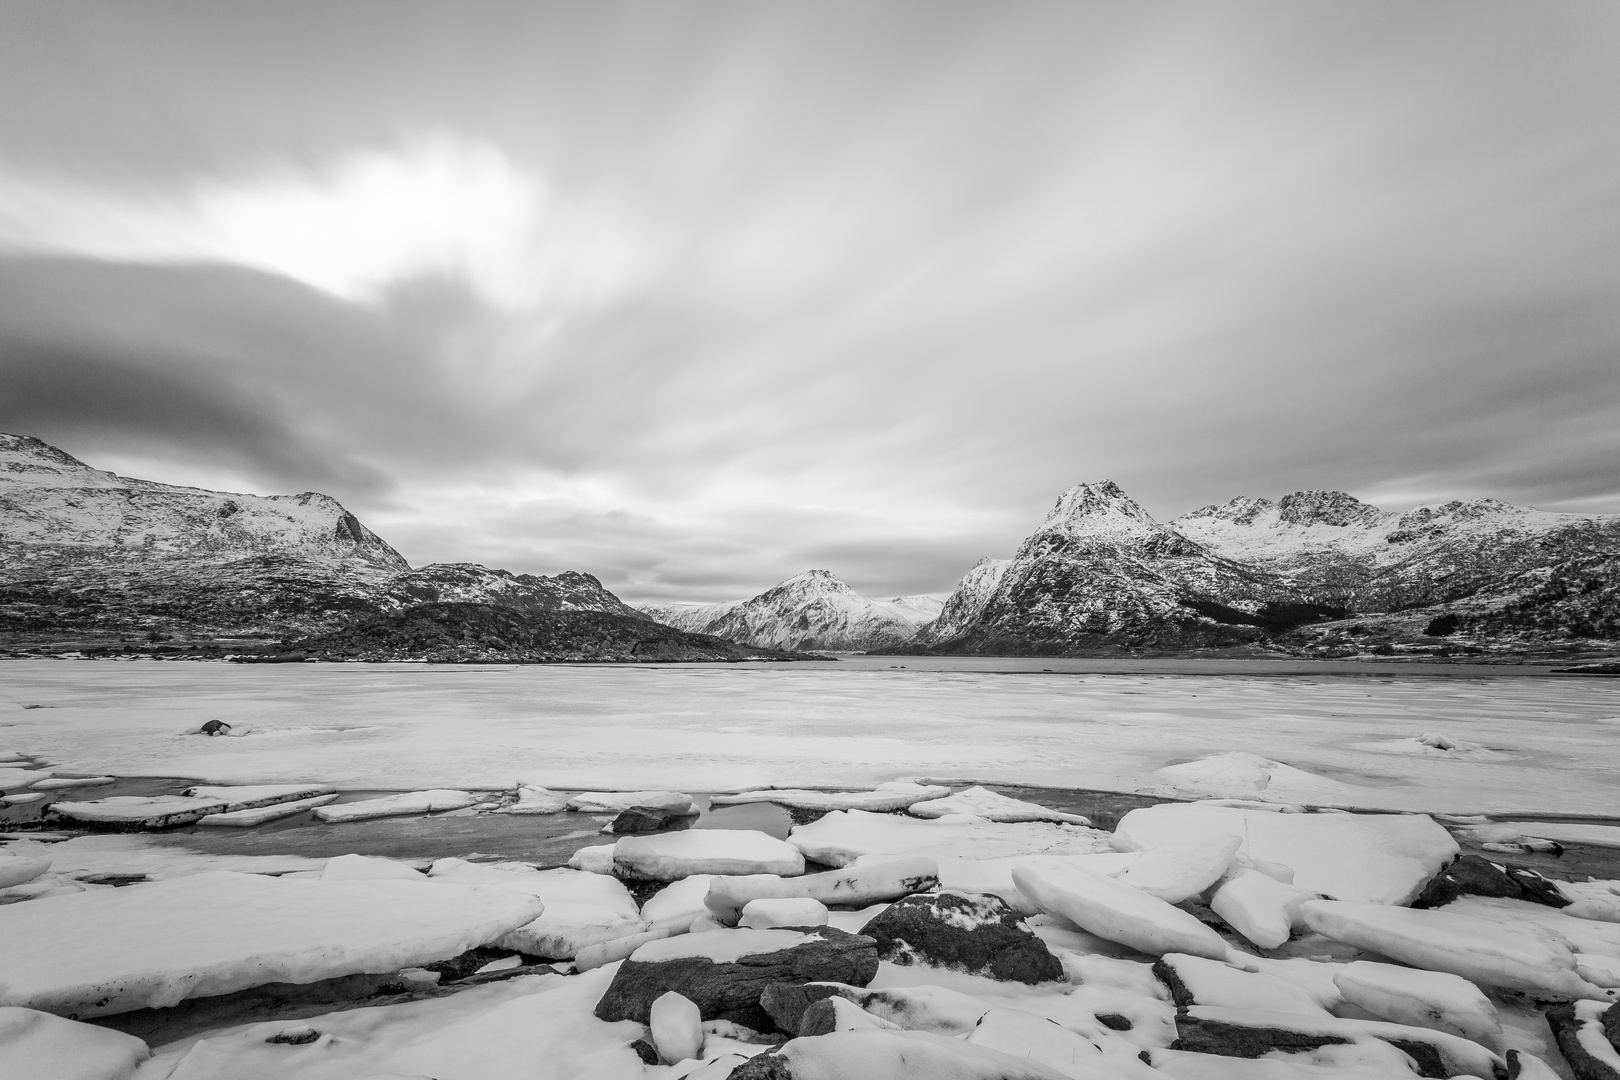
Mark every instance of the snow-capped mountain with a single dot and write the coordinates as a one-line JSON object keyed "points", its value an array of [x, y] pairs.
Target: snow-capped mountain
{"points": [[1101, 575], [88, 553], [813, 611]]}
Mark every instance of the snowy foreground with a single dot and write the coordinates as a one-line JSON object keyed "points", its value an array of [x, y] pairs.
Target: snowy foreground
{"points": [[1459, 745], [961, 933]]}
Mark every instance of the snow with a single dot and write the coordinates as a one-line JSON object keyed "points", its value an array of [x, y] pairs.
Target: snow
{"points": [[877, 1054], [152, 945], [1027, 1035], [880, 878], [1488, 953], [16, 871], [247, 797], [1568, 832], [675, 905], [1259, 907], [889, 797], [1116, 911], [247, 819], [411, 802], [765, 914], [582, 909], [594, 858], [812, 725], [36, 1045], [1593, 1036], [677, 1028], [668, 856], [720, 946], [533, 799], [368, 868], [1240, 775], [616, 802], [1386, 858], [1431, 999], [155, 857], [1212, 982], [11, 778], [992, 806], [1584, 935], [60, 783], [592, 957], [139, 811], [528, 1028], [841, 837], [1183, 1065], [1174, 874]]}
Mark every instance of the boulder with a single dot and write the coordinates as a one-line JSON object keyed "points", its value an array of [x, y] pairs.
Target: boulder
{"points": [[915, 1008], [724, 972], [978, 934], [858, 886], [839, 1014], [1471, 875], [641, 819], [1588, 1032], [671, 856]]}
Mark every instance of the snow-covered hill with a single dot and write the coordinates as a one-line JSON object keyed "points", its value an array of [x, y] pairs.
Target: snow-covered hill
{"points": [[813, 611], [1309, 571]]}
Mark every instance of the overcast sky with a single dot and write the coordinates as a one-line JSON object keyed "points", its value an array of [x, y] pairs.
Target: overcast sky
{"points": [[695, 296]]}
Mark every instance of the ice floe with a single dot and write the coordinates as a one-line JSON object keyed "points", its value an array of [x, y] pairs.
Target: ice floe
{"points": [[582, 909], [841, 837], [535, 800], [1433, 999], [248, 796], [258, 815], [766, 914], [155, 944], [144, 855], [137, 811], [1113, 910], [1174, 874], [412, 802], [16, 871], [992, 806], [883, 878], [1386, 858], [886, 798], [59, 783], [614, 802], [1240, 775], [668, 856], [36, 1045], [1259, 907]]}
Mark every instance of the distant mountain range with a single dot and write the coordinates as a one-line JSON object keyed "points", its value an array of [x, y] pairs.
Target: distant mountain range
{"points": [[91, 560]]}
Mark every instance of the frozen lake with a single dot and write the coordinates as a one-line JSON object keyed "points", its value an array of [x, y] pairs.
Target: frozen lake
{"points": [[1543, 744]]}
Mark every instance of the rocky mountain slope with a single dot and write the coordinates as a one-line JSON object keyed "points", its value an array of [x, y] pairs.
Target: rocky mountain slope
{"points": [[91, 556], [813, 610], [1316, 572]]}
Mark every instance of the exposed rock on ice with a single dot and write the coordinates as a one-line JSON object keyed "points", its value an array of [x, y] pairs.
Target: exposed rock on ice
{"points": [[885, 798], [978, 934], [766, 914], [614, 802], [724, 972], [885, 878], [156, 944], [669, 856], [1385, 858], [992, 806], [1116, 911], [1470, 875], [841, 837], [35, 1045], [411, 802], [1582, 1030], [1432, 999], [1483, 951], [247, 819], [639, 820], [838, 1014], [136, 811]]}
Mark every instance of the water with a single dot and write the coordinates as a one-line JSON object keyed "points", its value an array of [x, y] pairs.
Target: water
{"points": [[1551, 741]]}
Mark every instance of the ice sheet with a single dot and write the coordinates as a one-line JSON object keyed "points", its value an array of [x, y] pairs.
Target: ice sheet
{"points": [[725, 727]]}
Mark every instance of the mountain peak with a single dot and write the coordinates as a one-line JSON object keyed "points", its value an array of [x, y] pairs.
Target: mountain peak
{"points": [[1099, 507], [811, 583], [1327, 508]]}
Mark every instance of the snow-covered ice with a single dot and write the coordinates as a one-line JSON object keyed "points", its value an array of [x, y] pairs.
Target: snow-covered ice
{"points": [[36, 1045], [615, 802], [992, 806], [1434, 999], [249, 796], [675, 905], [356, 867], [1110, 909], [1386, 858], [1212, 982], [582, 909], [155, 944], [841, 837], [61, 783], [885, 798], [874, 878], [258, 815], [724, 946], [411, 802], [676, 1027], [568, 726], [16, 871], [153, 856], [533, 799], [768, 913], [139, 811], [667, 856], [1567, 832], [1174, 874], [1258, 906]]}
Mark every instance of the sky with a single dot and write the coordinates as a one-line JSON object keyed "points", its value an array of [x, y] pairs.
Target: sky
{"points": [[696, 296]]}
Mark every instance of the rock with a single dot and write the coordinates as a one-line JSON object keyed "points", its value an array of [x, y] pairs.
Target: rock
{"points": [[859, 886], [992, 806], [613, 802], [640, 819], [1471, 875], [886, 798], [765, 914], [724, 972], [1488, 953], [839, 1014], [214, 727], [1174, 874], [646, 1051], [670, 856], [915, 1008], [297, 1035], [889, 1055], [677, 1029], [1116, 911], [975, 934], [1588, 1033]]}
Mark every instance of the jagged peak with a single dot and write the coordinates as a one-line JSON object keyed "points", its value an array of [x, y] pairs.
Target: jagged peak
{"points": [[1335, 508], [1242, 510], [810, 582], [1099, 507]]}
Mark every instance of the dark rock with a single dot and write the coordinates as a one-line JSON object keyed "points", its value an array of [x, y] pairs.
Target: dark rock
{"points": [[1180, 995], [1472, 875], [641, 819], [1115, 1021], [1566, 1026], [731, 990], [979, 934], [214, 727], [819, 1019], [787, 1003], [295, 1036], [1206, 1035], [646, 1051]]}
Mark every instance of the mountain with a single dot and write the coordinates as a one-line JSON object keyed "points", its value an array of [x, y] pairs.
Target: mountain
{"points": [[813, 610], [96, 557], [1315, 573]]}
